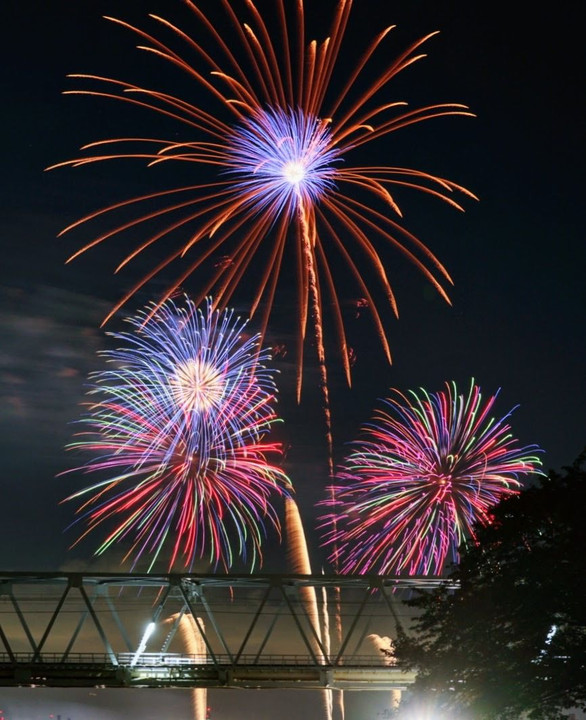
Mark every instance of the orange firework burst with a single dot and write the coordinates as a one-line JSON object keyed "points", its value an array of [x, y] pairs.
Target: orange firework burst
{"points": [[278, 128]]}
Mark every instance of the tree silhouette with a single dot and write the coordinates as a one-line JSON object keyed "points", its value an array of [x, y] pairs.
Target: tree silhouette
{"points": [[511, 640]]}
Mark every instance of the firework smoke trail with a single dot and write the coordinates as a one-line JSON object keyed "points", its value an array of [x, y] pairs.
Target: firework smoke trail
{"points": [[386, 650], [177, 428], [279, 135], [194, 645], [299, 564], [428, 468]]}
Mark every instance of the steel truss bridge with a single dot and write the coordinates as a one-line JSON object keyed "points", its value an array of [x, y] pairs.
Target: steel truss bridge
{"points": [[201, 631]]}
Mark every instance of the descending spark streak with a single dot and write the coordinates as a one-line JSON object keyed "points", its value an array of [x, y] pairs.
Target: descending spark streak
{"points": [[177, 427], [277, 136], [429, 467]]}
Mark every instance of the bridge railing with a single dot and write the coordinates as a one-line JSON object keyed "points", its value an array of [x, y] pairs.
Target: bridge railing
{"points": [[154, 660]]}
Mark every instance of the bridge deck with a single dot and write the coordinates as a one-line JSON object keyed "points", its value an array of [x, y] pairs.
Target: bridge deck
{"points": [[158, 670]]}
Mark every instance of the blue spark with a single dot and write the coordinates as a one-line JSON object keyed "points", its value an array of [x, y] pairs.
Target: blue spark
{"points": [[283, 159]]}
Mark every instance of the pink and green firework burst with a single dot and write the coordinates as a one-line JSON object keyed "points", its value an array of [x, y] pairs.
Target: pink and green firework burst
{"points": [[176, 429], [278, 127], [428, 468]]}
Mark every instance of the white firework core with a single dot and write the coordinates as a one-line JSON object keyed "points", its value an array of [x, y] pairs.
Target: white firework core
{"points": [[198, 386], [294, 172]]}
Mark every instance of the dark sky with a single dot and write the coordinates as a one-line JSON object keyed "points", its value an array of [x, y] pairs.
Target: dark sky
{"points": [[516, 257]]}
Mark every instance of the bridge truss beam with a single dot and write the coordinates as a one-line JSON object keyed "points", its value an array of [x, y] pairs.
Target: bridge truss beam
{"points": [[189, 631]]}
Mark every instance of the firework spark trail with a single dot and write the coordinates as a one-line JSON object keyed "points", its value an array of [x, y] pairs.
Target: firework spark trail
{"points": [[178, 429], [308, 245], [278, 137], [428, 468]]}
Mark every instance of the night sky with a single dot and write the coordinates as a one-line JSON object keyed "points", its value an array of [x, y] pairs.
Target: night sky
{"points": [[516, 256]]}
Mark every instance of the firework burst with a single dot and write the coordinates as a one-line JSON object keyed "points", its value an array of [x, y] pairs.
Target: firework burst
{"points": [[277, 127], [429, 467], [177, 427]]}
